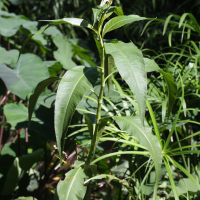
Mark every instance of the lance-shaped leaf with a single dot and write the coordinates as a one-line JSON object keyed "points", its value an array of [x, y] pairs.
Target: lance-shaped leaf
{"points": [[74, 22], [28, 72], [96, 12], [38, 91], [133, 126], [74, 84], [130, 64], [72, 187], [109, 68], [120, 21], [172, 89]]}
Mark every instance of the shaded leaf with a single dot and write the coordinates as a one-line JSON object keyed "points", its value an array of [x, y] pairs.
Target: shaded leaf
{"points": [[15, 113], [172, 89], [65, 51], [19, 166], [28, 72], [133, 126], [96, 12], [7, 56], [37, 92]]}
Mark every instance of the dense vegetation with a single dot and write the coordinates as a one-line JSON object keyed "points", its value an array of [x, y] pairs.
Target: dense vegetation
{"points": [[101, 108]]}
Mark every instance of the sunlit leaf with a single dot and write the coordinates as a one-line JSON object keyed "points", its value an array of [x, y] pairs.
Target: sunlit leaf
{"points": [[74, 84]]}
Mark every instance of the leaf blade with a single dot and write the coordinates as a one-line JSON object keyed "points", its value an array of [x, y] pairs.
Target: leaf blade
{"points": [[130, 64], [74, 84], [120, 21]]}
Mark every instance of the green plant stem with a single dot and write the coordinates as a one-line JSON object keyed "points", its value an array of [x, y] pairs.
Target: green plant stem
{"points": [[179, 144], [100, 98]]}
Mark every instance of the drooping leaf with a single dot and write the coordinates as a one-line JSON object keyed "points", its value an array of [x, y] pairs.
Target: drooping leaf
{"points": [[18, 168], [54, 67], [89, 124], [133, 126], [96, 12], [109, 68], [118, 11], [172, 89], [47, 98], [28, 72], [120, 21], [74, 84], [7, 156], [65, 51], [15, 113], [130, 64], [7, 56], [72, 187], [38, 90], [74, 22]]}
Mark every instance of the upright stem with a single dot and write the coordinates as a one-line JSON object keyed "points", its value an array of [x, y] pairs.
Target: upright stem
{"points": [[100, 98]]}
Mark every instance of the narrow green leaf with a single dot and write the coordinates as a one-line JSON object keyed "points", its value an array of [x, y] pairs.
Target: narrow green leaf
{"points": [[120, 21], [184, 152], [89, 124], [74, 84], [73, 21], [37, 92], [72, 187], [133, 127], [172, 90], [166, 23], [120, 153], [96, 12], [118, 11], [130, 64], [109, 68], [171, 179], [153, 118]]}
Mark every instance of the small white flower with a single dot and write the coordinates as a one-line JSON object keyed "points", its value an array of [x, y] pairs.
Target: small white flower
{"points": [[103, 2]]}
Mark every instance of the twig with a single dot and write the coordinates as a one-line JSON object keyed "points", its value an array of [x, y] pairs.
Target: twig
{"points": [[3, 120]]}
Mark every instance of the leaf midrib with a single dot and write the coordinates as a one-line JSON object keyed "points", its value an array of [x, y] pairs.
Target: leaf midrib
{"points": [[72, 184], [130, 68], [140, 131], [114, 24], [72, 94]]}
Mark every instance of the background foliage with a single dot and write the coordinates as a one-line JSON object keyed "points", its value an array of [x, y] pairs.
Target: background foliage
{"points": [[29, 162]]}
